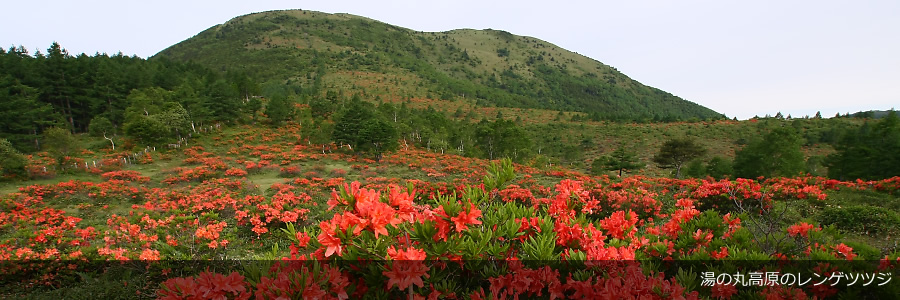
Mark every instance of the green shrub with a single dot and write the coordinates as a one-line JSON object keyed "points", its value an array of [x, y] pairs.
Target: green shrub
{"points": [[865, 251], [12, 162], [870, 197], [861, 219]]}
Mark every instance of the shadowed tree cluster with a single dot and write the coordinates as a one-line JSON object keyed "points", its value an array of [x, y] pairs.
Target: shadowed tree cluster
{"points": [[362, 130], [676, 152], [870, 152], [778, 153]]}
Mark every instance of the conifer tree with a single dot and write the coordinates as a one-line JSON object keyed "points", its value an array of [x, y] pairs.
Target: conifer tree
{"points": [[676, 152], [619, 160]]}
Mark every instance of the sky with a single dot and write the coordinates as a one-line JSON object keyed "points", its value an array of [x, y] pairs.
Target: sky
{"points": [[739, 58]]}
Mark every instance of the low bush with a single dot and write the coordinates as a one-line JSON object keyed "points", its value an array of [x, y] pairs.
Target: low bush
{"points": [[861, 219]]}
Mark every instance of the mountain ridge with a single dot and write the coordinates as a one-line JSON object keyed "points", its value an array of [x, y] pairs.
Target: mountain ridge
{"points": [[493, 67]]}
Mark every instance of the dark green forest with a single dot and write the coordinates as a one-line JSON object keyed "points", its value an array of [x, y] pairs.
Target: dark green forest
{"points": [[157, 98]]}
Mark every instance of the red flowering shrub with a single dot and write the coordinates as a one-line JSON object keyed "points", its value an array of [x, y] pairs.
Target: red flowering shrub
{"points": [[338, 173], [40, 165], [234, 172], [801, 229], [289, 171], [130, 176], [450, 236], [207, 285], [514, 193]]}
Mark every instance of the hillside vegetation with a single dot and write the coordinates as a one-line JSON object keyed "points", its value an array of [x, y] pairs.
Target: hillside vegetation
{"points": [[316, 52]]}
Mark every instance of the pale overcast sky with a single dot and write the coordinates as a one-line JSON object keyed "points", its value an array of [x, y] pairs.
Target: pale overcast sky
{"points": [[741, 59]]}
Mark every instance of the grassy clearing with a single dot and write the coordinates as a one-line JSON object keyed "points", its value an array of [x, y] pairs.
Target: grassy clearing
{"points": [[265, 179]]}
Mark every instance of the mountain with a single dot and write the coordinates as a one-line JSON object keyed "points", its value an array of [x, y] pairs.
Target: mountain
{"points": [[875, 114], [319, 52]]}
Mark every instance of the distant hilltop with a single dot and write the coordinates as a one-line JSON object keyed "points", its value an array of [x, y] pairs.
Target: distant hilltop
{"points": [[872, 114], [492, 68]]}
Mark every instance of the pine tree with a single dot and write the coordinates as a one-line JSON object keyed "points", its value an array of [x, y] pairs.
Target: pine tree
{"points": [[349, 124], [22, 116], [378, 136], [676, 152], [279, 109], [619, 160], [57, 90]]}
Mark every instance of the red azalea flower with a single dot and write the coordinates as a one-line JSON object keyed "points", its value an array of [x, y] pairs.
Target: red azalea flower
{"points": [[845, 250], [409, 254], [463, 219], [703, 238], [303, 239], [723, 291], [722, 253], [617, 223], [403, 274], [801, 229], [378, 214], [149, 254], [327, 239]]}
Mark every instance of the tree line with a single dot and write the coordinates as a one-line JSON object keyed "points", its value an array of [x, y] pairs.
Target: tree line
{"points": [[375, 128], [870, 152], [114, 94]]}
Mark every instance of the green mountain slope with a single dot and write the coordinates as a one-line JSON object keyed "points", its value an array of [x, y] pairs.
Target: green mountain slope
{"points": [[317, 52]]}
